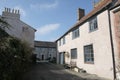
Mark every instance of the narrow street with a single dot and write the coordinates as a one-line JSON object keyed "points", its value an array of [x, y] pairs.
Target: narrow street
{"points": [[49, 71]]}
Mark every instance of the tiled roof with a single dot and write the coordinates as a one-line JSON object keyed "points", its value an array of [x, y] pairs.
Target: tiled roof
{"points": [[44, 44], [117, 3], [96, 10]]}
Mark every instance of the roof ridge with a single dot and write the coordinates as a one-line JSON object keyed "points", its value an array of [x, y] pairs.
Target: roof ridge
{"points": [[92, 13]]}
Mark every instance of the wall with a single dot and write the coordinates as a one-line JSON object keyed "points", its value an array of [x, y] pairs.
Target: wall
{"points": [[18, 28], [101, 43], [47, 52], [115, 22]]}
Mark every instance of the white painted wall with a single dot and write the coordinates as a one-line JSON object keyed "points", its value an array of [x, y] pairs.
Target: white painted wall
{"points": [[47, 52], [17, 26], [101, 43]]}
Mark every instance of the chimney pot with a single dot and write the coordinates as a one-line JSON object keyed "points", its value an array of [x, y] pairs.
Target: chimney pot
{"points": [[5, 9], [13, 11], [9, 10], [18, 11]]}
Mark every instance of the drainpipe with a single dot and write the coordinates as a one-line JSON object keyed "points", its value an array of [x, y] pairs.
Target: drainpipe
{"points": [[112, 46]]}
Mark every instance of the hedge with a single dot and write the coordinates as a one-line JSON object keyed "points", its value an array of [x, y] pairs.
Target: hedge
{"points": [[14, 56]]}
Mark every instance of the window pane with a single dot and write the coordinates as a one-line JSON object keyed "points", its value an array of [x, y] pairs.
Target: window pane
{"points": [[63, 40], [59, 42], [92, 55], [75, 33], [73, 53], [93, 24], [92, 59], [88, 53]]}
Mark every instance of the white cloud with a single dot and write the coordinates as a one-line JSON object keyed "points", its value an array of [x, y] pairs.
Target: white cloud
{"points": [[44, 6], [46, 29], [22, 11]]}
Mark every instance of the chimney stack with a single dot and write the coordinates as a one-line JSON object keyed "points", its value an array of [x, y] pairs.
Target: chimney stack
{"points": [[11, 13], [81, 13]]}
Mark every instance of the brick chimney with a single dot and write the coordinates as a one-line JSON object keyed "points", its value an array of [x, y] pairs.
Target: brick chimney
{"points": [[81, 13], [8, 13]]}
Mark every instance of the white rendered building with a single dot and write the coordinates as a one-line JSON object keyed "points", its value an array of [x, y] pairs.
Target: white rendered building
{"points": [[18, 28], [93, 43]]}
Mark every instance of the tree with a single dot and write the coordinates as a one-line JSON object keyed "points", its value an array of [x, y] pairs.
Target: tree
{"points": [[14, 58], [14, 54], [3, 25]]}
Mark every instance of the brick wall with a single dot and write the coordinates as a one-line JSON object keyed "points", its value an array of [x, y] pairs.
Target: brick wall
{"points": [[117, 30]]}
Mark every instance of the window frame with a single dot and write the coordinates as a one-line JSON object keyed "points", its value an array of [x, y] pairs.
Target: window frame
{"points": [[89, 54], [75, 33], [93, 24], [64, 40], [60, 42], [75, 56]]}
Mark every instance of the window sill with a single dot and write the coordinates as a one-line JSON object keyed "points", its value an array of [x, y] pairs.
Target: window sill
{"points": [[75, 38], [73, 58], [93, 30], [89, 62]]}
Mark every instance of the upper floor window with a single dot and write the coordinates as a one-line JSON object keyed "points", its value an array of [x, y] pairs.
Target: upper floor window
{"points": [[93, 24], [64, 40], [59, 42], [88, 54], [75, 33], [74, 53]]}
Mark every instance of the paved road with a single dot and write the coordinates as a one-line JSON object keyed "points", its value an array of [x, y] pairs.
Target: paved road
{"points": [[48, 71]]}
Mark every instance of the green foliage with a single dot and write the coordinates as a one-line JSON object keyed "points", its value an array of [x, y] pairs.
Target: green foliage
{"points": [[14, 57], [3, 23], [3, 33], [3, 26], [14, 54]]}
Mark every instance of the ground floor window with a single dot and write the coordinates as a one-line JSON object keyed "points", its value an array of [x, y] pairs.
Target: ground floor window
{"points": [[88, 54], [74, 53]]}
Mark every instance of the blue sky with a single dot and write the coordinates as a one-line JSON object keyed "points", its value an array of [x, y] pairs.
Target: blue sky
{"points": [[51, 18]]}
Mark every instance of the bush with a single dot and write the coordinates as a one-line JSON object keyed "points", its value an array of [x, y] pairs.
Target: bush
{"points": [[14, 57], [3, 33], [33, 58]]}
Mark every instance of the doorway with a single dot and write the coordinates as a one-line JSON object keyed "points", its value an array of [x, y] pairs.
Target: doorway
{"points": [[62, 58], [42, 57]]}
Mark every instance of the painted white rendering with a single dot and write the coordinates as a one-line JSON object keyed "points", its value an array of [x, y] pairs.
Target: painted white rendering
{"points": [[101, 44], [45, 50], [45, 53], [100, 61], [18, 28]]}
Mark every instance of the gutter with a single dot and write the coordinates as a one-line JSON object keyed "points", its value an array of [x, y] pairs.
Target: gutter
{"points": [[112, 46], [84, 20]]}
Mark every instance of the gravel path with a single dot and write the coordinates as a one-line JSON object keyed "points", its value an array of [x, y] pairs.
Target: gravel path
{"points": [[49, 71]]}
